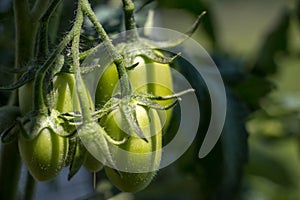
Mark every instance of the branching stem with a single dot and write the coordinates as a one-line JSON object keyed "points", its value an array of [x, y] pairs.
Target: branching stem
{"points": [[117, 58]]}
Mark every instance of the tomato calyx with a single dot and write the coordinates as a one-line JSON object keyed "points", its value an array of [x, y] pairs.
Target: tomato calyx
{"points": [[132, 49], [95, 139], [33, 123], [176, 41], [127, 106]]}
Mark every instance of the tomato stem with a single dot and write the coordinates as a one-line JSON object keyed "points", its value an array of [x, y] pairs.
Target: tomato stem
{"points": [[29, 188], [26, 30], [130, 25], [9, 170], [39, 90], [43, 49], [80, 88], [117, 58], [38, 8]]}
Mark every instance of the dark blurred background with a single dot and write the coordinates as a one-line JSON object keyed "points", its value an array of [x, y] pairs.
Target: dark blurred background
{"points": [[256, 46]]}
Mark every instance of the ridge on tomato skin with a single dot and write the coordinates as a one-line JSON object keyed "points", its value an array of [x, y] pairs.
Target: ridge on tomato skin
{"points": [[143, 158]]}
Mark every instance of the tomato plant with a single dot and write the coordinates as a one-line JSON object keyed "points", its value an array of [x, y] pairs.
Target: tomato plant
{"points": [[60, 125]]}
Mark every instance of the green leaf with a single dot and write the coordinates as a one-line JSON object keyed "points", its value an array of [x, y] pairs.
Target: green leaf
{"points": [[78, 157]]}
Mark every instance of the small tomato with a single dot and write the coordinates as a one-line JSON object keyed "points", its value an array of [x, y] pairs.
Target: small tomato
{"points": [[143, 157]]}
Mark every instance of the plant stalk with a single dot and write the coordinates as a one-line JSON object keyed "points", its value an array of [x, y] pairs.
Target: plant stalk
{"points": [[29, 189], [10, 170], [80, 88], [130, 25], [43, 35], [117, 58], [39, 91]]}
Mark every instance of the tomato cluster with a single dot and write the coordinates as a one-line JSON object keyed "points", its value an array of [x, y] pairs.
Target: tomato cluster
{"points": [[121, 131], [147, 77], [49, 151]]}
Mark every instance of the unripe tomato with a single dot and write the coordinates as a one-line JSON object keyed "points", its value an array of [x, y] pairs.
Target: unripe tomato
{"points": [[68, 92], [26, 97], [65, 98], [148, 77], [92, 164], [44, 155], [138, 160]]}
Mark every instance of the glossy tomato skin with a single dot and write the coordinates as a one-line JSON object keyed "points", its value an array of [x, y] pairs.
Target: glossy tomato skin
{"points": [[141, 167], [148, 77], [44, 155]]}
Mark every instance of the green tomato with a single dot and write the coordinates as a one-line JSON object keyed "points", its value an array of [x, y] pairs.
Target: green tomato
{"points": [[44, 155], [26, 97], [92, 164], [138, 160], [150, 77], [65, 97], [67, 101]]}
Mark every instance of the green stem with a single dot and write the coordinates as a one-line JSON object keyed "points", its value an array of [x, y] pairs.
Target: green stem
{"points": [[54, 23], [80, 88], [39, 90], [38, 8], [130, 25], [43, 40], [10, 170], [26, 30], [117, 58]]}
